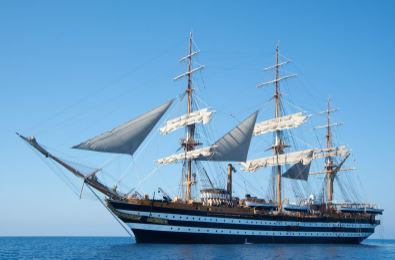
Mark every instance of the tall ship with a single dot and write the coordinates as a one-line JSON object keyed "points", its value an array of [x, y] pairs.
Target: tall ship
{"points": [[203, 211]]}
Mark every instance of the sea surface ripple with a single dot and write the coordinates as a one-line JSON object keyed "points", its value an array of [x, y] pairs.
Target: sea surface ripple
{"points": [[125, 248]]}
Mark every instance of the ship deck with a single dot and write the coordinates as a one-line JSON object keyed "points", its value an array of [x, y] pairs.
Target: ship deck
{"points": [[198, 209]]}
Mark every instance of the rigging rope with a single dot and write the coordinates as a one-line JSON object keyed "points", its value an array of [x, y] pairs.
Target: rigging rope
{"points": [[109, 210], [108, 85], [143, 180]]}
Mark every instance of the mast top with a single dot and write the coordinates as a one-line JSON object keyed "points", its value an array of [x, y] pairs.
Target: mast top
{"points": [[328, 126], [188, 57], [276, 67]]}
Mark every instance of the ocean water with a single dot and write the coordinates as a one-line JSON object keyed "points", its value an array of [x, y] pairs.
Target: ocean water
{"points": [[125, 248]]}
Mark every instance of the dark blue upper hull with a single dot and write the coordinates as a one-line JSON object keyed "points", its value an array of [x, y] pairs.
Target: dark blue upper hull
{"points": [[161, 224]]}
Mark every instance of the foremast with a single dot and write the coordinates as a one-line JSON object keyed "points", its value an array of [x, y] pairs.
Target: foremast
{"points": [[278, 147], [231, 147], [189, 143]]}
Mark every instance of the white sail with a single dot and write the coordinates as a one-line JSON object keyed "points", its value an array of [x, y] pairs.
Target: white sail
{"points": [[341, 151], [201, 116], [233, 146], [281, 123], [287, 158], [205, 152], [304, 156], [126, 138]]}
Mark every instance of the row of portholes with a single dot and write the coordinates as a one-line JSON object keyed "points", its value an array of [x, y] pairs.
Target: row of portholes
{"points": [[343, 225], [273, 233], [265, 223]]}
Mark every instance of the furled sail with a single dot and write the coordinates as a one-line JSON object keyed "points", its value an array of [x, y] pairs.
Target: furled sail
{"points": [[341, 151], [233, 146], [304, 156], [204, 152], [126, 138], [201, 116], [281, 123]]}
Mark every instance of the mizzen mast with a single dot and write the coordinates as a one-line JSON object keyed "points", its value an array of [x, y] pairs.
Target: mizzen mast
{"points": [[329, 165], [331, 169], [329, 160]]}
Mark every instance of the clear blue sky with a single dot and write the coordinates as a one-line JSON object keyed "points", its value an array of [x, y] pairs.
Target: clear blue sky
{"points": [[71, 69]]}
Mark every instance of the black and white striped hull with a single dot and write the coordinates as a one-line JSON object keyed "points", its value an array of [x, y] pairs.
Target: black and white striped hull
{"points": [[155, 225]]}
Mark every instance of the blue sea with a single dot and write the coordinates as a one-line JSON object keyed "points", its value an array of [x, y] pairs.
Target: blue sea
{"points": [[126, 248]]}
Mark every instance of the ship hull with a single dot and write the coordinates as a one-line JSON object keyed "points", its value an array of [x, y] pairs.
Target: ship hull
{"points": [[149, 236], [152, 224]]}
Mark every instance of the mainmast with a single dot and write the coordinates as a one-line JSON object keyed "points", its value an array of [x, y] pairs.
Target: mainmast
{"points": [[189, 143], [300, 161], [278, 146]]}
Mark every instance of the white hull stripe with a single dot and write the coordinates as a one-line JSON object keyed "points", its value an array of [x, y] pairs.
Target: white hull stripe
{"points": [[167, 228], [192, 218]]}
